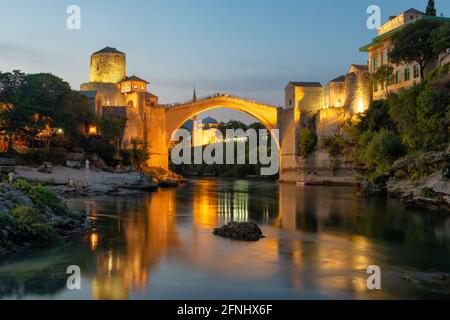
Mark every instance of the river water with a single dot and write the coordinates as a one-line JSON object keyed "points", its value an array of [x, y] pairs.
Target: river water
{"points": [[319, 243]]}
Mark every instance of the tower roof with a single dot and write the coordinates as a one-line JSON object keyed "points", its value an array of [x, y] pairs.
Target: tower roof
{"points": [[135, 78], [109, 50]]}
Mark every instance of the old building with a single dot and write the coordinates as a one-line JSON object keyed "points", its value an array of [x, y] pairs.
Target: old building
{"points": [[111, 92], [405, 75]]}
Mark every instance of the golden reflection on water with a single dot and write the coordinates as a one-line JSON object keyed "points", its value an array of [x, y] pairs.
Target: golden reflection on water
{"points": [[312, 259]]}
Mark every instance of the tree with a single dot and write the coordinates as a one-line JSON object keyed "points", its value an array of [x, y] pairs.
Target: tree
{"points": [[308, 142], [385, 75], [413, 44], [9, 86], [139, 152], [431, 10], [46, 105], [112, 128], [440, 38]]}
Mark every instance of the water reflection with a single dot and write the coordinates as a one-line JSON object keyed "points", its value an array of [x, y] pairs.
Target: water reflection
{"points": [[319, 243]]}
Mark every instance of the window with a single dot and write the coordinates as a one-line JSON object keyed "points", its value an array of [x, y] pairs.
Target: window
{"points": [[374, 63], [382, 58], [416, 71], [407, 75], [290, 103], [116, 59], [375, 86], [398, 78]]}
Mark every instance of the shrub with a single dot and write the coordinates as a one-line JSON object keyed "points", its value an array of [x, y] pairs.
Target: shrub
{"points": [[30, 227], [104, 149], [428, 193], [42, 197], [378, 150], [308, 142], [334, 145], [126, 156], [38, 156]]}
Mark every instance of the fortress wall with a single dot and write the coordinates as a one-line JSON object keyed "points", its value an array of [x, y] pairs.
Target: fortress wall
{"points": [[358, 90], [107, 92], [328, 122], [334, 94]]}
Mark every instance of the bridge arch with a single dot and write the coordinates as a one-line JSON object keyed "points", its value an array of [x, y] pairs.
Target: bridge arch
{"points": [[177, 115]]}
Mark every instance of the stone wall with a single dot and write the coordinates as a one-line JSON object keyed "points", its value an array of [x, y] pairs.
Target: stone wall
{"points": [[358, 92], [108, 93], [108, 68]]}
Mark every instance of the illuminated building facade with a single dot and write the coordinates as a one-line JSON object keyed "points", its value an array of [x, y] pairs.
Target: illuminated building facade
{"points": [[405, 75], [111, 92]]}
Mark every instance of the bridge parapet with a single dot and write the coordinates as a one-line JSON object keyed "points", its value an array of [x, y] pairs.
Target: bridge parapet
{"points": [[221, 95]]}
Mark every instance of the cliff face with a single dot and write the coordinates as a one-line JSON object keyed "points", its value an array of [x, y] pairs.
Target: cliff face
{"points": [[423, 181]]}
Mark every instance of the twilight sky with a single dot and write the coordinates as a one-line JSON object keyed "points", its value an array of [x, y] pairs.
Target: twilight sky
{"points": [[250, 48]]}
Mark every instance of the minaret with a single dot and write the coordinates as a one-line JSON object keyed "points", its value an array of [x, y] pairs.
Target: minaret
{"points": [[194, 97]]}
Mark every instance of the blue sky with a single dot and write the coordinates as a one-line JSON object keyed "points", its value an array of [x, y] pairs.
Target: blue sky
{"points": [[250, 48]]}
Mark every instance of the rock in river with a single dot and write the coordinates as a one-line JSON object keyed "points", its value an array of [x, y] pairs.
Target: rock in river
{"points": [[245, 231]]}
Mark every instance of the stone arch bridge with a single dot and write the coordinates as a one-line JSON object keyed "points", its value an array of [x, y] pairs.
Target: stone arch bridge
{"points": [[161, 123]]}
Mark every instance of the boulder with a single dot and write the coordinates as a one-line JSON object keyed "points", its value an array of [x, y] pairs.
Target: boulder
{"points": [[244, 231]]}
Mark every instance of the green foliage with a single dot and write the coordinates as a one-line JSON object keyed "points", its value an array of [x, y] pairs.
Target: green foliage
{"points": [[307, 143], [30, 226], [42, 198], [41, 101], [428, 193], [441, 38], [421, 114], [375, 118], [378, 150], [103, 148], [414, 44], [127, 157], [139, 153], [112, 128], [334, 145], [38, 156], [384, 75]]}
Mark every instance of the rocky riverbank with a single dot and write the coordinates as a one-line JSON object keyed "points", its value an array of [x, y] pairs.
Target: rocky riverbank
{"points": [[34, 216], [70, 182], [423, 181]]}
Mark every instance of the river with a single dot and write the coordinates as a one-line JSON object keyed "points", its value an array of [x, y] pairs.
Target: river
{"points": [[319, 243]]}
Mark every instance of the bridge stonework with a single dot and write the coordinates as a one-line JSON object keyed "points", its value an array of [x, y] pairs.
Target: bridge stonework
{"points": [[162, 122]]}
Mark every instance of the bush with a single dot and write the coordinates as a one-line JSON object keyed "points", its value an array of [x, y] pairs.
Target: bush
{"points": [[38, 156], [30, 227], [104, 149], [378, 150], [334, 145], [42, 198], [308, 142], [127, 157]]}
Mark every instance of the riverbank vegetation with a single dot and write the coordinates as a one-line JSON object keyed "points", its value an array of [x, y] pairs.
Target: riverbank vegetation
{"points": [[406, 124], [34, 216]]}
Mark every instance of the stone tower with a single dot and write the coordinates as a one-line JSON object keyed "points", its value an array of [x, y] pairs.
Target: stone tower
{"points": [[108, 66]]}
